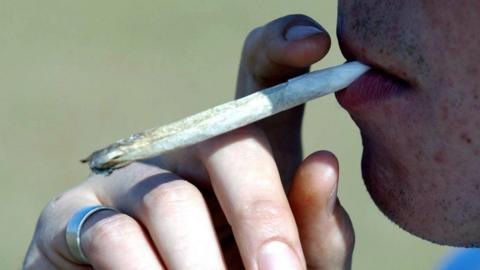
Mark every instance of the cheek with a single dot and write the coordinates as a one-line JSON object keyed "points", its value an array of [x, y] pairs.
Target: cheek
{"points": [[456, 113]]}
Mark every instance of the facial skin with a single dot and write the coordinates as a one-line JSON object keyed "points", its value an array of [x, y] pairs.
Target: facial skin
{"points": [[421, 160]]}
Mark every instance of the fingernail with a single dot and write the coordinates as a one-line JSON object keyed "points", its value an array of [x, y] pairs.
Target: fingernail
{"points": [[276, 255], [301, 32]]}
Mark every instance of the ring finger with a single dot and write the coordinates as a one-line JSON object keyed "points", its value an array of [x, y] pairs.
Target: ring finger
{"points": [[173, 211]]}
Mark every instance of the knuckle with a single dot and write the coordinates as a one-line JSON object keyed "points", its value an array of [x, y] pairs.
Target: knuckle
{"points": [[169, 196], [252, 38], [52, 211], [264, 212], [53, 205], [60, 203], [251, 47], [111, 231], [144, 169]]}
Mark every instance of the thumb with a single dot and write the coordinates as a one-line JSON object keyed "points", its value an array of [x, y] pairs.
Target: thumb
{"points": [[272, 54], [326, 232], [279, 50]]}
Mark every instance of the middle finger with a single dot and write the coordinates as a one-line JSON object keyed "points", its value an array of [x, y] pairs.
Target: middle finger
{"points": [[247, 184]]}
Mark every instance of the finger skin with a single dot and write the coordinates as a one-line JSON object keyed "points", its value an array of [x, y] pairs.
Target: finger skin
{"points": [[111, 240], [49, 237], [269, 59], [246, 181], [178, 220], [35, 259], [325, 229], [172, 210]]}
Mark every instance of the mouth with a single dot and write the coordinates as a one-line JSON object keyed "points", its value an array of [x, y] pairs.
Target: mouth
{"points": [[374, 87]]}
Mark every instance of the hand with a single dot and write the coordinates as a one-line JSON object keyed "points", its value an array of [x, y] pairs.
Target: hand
{"points": [[221, 203]]}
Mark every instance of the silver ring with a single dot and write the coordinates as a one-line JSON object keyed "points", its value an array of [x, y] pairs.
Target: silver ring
{"points": [[74, 227]]}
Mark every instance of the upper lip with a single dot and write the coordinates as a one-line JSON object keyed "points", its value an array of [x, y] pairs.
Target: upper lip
{"points": [[355, 53]]}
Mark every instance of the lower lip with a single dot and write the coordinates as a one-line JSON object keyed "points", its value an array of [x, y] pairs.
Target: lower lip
{"points": [[372, 87]]}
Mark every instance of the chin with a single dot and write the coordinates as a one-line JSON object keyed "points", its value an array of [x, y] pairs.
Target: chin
{"points": [[421, 204]]}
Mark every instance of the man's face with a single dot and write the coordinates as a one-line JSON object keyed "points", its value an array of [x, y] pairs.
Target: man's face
{"points": [[421, 135]]}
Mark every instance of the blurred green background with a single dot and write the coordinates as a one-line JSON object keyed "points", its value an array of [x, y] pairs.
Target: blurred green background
{"points": [[76, 75]]}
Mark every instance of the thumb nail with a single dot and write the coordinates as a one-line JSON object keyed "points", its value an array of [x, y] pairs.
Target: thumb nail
{"points": [[299, 32], [276, 255]]}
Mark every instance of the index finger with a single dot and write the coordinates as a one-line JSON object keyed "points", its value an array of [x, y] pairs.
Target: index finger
{"points": [[246, 181]]}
